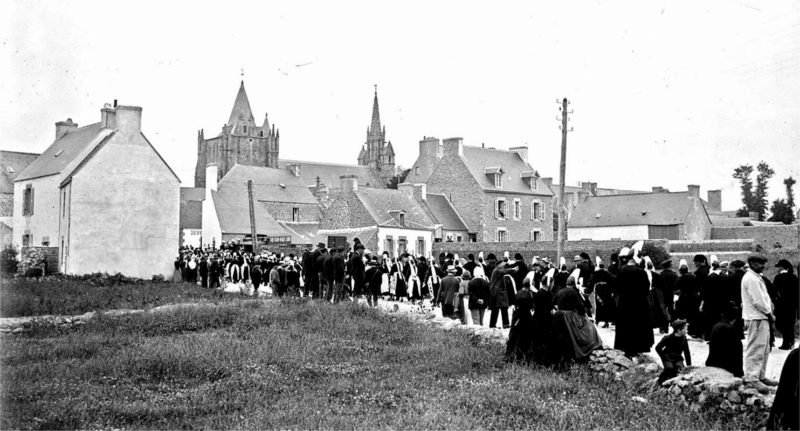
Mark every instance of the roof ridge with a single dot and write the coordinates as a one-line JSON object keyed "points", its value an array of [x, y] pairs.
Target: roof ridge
{"points": [[20, 152], [491, 149], [321, 163]]}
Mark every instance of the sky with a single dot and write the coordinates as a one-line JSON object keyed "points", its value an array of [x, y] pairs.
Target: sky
{"points": [[662, 93]]}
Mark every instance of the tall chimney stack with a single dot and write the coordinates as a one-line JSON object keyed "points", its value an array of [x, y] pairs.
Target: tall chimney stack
{"points": [[694, 191], [715, 200], [63, 127]]}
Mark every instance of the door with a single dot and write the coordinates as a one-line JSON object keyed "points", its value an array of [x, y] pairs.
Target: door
{"points": [[663, 232]]}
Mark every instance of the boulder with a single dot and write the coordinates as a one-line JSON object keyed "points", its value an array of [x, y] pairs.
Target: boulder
{"points": [[676, 390], [734, 397], [640, 400], [671, 381], [623, 361], [652, 368], [754, 401]]}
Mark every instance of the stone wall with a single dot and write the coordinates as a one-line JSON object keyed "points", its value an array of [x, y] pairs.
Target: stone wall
{"points": [[764, 236], [452, 179], [50, 255], [548, 249], [744, 245], [282, 211], [6, 204], [346, 211]]}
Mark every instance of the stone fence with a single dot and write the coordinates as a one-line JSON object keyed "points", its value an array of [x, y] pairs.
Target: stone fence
{"points": [[764, 236], [34, 257]]}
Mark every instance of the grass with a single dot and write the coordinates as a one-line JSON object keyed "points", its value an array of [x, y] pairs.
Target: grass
{"points": [[65, 295], [296, 364]]}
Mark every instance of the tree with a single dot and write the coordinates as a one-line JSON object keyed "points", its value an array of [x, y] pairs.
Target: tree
{"points": [[760, 202], [400, 175], [783, 210], [742, 173]]}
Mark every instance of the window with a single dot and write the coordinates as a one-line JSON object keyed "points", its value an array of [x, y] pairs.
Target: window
{"points": [[26, 240], [449, 237], [537, 211], [402, 220], [416, 170], [261, 133], [473, 237], [420, 245], [534, 183], [502, 235], [536, 235], [498, 180], [244, 129], [45, 241], [500, 208], [64, 205], [388, 246], [458, 238], [517, 210], [27, 202], [295, 214]]}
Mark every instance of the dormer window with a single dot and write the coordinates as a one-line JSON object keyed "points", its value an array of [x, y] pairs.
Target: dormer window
{"points": [[497, 175], [498, 180], [244, 129], [534, 183], [402, 220], [399, 216]]}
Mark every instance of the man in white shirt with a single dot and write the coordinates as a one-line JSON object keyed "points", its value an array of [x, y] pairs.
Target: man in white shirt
{"points": [[757, 315]]}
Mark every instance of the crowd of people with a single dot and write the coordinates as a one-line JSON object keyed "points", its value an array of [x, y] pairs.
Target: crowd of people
{"points": [[555, 307]]}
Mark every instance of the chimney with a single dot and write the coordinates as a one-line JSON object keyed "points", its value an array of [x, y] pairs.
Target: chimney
{"points": [[416, 191], [548, 181], [522, 151], [658, 189], [430, 152], [129, 120], [349, 183], [108, 116], [593, 189], [590, 187], [63, 127], [453, 147], [211, 177], [715, 200], [694, 191], [294, 168]]}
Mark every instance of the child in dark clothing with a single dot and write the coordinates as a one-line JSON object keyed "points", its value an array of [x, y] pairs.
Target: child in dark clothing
{"points": [[672, 349]]}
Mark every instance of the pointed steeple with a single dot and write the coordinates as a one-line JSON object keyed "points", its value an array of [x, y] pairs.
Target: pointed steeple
{"points": [[265, 127], [375, 127], [241, 107]]}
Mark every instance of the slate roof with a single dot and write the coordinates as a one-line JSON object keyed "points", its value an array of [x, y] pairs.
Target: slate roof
{"points": [[627, 210], [191, 207], [266, 185], [234, 215], [62, 152], [478, 159], [329, 173], [379, 203], [443, 212], [17, 162]]}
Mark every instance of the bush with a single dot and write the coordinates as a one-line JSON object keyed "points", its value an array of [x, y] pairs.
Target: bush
{"points": [[8, 260], [656, 251]]}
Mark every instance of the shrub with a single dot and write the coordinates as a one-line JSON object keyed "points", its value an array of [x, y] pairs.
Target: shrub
{"points": [[656, 251], [8, 260]]}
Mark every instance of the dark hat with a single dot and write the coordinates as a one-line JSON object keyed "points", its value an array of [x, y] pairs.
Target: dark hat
{"points": [[783, 263], [585, 255], [700, 258], [737, 263], [678, 325], [359, 246], [756, 257], [666, 264], [356, 241], [491, 256], [321, 245]]}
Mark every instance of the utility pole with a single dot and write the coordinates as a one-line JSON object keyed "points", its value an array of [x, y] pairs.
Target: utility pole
{"points": [[562, 208], [252, 216]]}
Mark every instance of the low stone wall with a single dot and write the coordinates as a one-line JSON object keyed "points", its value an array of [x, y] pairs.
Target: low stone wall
{"points": [[35, 256], [764, 236], [712, 246]]}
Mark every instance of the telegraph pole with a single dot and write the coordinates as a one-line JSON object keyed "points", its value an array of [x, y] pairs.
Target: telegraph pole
{"points": [[562, 208], [252, 215]]}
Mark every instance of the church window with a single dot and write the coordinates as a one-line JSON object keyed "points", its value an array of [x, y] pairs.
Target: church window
{"points": [[498, 180], [500, 208]]}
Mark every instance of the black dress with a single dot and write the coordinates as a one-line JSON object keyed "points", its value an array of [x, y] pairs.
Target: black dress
{"points": [[519, 337], [634, 332], [784, 413], [788, 287], [542, 323], [573, 336], [688, 306], [725, 349], [603, 282]]}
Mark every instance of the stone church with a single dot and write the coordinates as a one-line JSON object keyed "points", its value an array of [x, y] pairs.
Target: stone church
{"points": [[376, 152], [241, 141]]}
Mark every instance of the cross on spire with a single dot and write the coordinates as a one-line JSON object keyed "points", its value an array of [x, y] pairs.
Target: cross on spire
{"points": [[242, 73]]}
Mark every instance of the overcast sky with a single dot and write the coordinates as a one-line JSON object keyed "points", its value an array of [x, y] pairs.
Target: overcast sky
{"points": [[664, 93]]}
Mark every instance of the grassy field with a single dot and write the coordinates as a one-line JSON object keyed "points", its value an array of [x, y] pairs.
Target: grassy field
{"points": [[293, 364], [65, 295]]}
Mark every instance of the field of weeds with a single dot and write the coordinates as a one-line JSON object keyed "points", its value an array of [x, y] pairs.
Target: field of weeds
{"points": [[71, 295], [303, 364]]}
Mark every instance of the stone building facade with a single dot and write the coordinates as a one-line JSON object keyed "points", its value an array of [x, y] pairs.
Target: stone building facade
{"points": [[497, 193], [376, 152], [241, 141]]}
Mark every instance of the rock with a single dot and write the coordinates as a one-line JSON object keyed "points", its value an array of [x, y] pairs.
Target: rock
{"points": [[652, 368], [609, 367], [671, 381], [622, 361], [697, 379], [676, 390], [734, 397], [748, 392], [17, 330], [754, 401], [683, 383], [726, 405], [430, 315], [640, 400]]}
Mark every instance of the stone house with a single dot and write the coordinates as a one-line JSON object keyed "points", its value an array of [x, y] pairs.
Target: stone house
{"points": [[12, 163], [497, 193], [278, 196], [449, 226], [103, 196], [382, 219], [664, 215]]}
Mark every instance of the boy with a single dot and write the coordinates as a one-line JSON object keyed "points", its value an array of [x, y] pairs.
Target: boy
{"points": [[672, 349]]}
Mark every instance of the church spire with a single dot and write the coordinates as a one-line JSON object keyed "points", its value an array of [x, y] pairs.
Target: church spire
{"points": [[241, 107], [376, 116]]}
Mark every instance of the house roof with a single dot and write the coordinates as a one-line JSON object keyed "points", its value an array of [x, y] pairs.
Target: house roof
{"points": [[479, 159], [380, 203], [234, 215], [443, 212], [329, 173], [59, 155], [613, 192], [269, 185], [12, 163], [191, 207], [657, 209]]}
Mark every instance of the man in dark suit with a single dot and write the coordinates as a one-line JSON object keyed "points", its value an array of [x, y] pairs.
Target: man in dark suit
{"points": [[337, 273], [357, 270]]}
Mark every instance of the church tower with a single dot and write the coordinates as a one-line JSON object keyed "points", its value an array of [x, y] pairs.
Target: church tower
{"points": [[376, 152], [241, 141]]}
